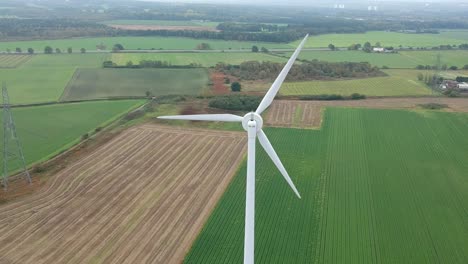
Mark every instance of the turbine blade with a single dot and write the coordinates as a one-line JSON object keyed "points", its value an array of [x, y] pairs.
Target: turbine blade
{"points": [[262, 138], [213, 117], [270, 95]]}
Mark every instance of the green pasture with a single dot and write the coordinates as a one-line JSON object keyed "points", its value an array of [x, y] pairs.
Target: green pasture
{"points": [[87, 60], [107, 83], [205, 59], [457, 58], [134, 43], [370, 194], [388, 39], [44, 131], [398, 83], [35, 85]]}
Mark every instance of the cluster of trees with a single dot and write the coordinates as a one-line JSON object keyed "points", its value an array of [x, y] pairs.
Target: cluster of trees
{"points": [[262, 49], [443, 67], [236, 102], [21, 29], [249, 27], [148, 64], [430, 79], [309, 70], [50, 50]]}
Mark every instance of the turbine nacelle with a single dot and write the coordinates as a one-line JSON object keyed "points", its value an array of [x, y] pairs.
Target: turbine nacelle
{"points": [[252, 117]]}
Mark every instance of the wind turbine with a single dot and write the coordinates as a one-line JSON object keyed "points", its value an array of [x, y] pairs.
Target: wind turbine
{"points": [[252, 123]]}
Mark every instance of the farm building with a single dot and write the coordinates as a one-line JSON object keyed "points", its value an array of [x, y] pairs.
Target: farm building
{"points": [[449, 84], [377, 49], [463, 86]]}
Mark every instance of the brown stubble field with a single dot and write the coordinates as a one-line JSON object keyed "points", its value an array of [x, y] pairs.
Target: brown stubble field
{"points": [[308, 114], [142, 197]]}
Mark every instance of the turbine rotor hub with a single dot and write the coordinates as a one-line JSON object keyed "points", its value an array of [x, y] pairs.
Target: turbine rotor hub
{"points": [[252, 116]]}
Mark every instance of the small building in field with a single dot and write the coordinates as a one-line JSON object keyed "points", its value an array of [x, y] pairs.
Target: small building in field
{"points": [[376, 49], [463, 86], [449, 84]]}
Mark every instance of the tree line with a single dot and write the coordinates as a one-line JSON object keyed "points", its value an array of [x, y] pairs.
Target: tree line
{"points": [[308, 70]]}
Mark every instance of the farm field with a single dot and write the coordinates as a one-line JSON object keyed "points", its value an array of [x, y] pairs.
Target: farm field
{"points": [[308, 114], [87, 60], [392, 60], [13, 60], [169, 43], [108, 83], [205, 59], [457, 58], [388, 39], [46, 130], [35, 85], [140, 198], [398, 83], [369, 194]]}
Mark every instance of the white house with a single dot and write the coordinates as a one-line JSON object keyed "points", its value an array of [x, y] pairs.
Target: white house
{"points": [[376, 49]]}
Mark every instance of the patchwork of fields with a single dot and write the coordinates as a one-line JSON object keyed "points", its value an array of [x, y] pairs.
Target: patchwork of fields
{"points": [[369, 194], [140, 198], [107, 83], [46, 130]]}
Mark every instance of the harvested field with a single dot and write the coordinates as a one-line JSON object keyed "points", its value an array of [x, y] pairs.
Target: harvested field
{"points": [[140, 198], [307, 114], [13, 60]]}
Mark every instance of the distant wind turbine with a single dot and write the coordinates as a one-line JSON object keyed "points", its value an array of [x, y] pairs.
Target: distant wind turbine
{"points": [[252, 123]]}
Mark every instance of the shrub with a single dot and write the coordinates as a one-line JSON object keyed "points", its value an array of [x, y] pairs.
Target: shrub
{"points": [[97, 129], [85, 136], [236, 87], [357, 96], [236, 102], [433, 106]]}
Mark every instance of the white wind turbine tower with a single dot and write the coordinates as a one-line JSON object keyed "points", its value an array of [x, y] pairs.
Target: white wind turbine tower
{"points": [[252, 122]]}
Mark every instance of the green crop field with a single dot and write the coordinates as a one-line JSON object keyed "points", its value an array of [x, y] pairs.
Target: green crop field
{"points": [[398, 83], [388, 39], [370, 194], [35, 85], [191, 23], [46, 130], [403, 59], [86, 60], [13, 60], [457, 58], [171, 43], [108, 83], [205, 59]]}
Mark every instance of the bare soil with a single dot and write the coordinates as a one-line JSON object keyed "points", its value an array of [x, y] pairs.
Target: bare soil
{"points": [[308, 114], [142, 197]]}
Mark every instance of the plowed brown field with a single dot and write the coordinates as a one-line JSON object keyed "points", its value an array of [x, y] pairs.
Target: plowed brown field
{"points": [[140, 198], [307, 114]]}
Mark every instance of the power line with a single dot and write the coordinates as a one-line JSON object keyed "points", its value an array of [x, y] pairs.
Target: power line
{"points": [[12, 149]]}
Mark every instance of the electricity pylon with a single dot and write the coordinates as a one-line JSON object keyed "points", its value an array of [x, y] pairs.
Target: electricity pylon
{"points": [[12, 149]]}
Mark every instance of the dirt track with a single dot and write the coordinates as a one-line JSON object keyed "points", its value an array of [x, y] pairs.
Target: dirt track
{"points": [[140, 198], [307, 114]]}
